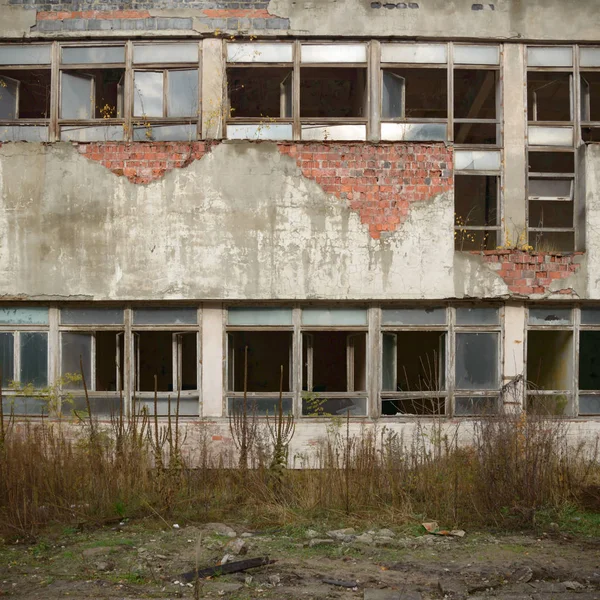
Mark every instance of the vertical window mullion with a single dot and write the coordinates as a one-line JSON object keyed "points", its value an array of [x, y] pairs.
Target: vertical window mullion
{"points": [[17, 356], [165, 93], [127, 363]]}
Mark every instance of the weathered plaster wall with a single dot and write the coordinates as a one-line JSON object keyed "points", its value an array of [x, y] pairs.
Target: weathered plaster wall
{"points": [[242, 222], [590, 215], [498, 19]]}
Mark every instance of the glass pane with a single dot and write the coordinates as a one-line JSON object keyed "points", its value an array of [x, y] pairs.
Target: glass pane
{"points": [[590, 316], [165, 53], [7, 359], [93, 54], [550, 188], [243, 53], [475, 405], [34, 359], [550, 136], [25, 55], [589, 360], [321, 406], [477, 316], [334, 53], [334, 132], [89, 316], [164, 133], [414, 316], [102, 407], [550, 316], [467, 160], [476, 361], [260, 131], [23, 133], [259, 406], [392, 96], [259, 316], [165, 316], [9, 94], [183, 94], [414, 53], [413, 132], [589, 405], [99, 133], [549, 405], [388, 362], [76, 346], [550, 57], [334, 316], [21, 406], [76, 95], [589, 57], [24, 316], [476, 55], [188, 406], [148, 94]]}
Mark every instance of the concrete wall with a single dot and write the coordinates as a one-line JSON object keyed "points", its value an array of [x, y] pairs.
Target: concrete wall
{"points": [[551, 20]]}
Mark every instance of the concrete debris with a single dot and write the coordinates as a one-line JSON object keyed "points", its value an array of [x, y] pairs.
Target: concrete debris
{"points": [[343, 535], [364, 538], [452, 589], [386, 533], [320, 542], [220, 529], [311, 534], [521, 575], [236, 546], [573, 585]]}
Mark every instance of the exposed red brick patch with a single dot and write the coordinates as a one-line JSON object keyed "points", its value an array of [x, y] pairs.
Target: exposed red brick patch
{"points": [[379, 181], [92, 14], [532, 272], [224, 13], [144, 162]]}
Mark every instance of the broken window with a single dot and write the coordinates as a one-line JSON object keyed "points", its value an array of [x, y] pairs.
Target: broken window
{"points": [[166, 93], [475, 106], [259, 359], [590, 106], [476, 212], [551, 203], [549, 96]]}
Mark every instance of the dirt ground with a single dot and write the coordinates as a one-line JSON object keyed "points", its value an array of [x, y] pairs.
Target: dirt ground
{"points": [[146, 560]]}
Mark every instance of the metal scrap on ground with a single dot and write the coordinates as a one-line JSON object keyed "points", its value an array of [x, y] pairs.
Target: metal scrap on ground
{"points": [[227, 568]]}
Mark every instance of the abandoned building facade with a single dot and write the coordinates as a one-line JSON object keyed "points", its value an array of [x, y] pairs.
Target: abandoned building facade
{"points": [[381, 209]]}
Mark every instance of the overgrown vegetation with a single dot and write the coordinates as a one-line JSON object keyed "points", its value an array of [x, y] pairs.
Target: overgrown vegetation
{"points": [[507, 470]]}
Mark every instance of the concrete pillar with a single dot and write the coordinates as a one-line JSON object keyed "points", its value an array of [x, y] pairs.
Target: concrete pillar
{"points": [[515, 158], [213, 77], [212, 360], [514, 356]]}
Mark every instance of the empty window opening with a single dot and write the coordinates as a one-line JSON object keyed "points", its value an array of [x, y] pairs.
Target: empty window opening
{"points": [[551, 162], [549, 97], [413, 406], [93, 94], [476, 361], [34, 359], [260, 92], [475, 209], [590, 96], [550, 360], [25, 94], [333, 92], [268, 351], [154, 352], [101, 355], [334, 361], [475, 94], [414, 361], [475, 133], [7, 358], [414, 94], [589, 360]]}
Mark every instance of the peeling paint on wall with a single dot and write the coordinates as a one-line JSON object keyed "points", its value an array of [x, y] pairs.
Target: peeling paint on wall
{"points": [[143, 162], [527, 273], [381, 181]]}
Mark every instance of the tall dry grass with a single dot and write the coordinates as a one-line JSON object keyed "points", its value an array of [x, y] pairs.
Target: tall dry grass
{"points": [[511, 467]]}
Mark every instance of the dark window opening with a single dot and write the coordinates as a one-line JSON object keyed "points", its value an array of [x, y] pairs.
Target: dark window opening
{"points": [[110, 352], [475, 205], [589, 360], [333, 92], [475, 133], [25, 94], [551, 162], [413, 406], [267, 352], [590, 96], [549, 360], [260, 92], [475, 94], [414, 94], [549, 96]]}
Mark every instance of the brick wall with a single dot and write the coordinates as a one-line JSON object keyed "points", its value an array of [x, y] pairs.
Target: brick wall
{"points": [[143, 162], [528, 273], [94, 15], [379, 181]]}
